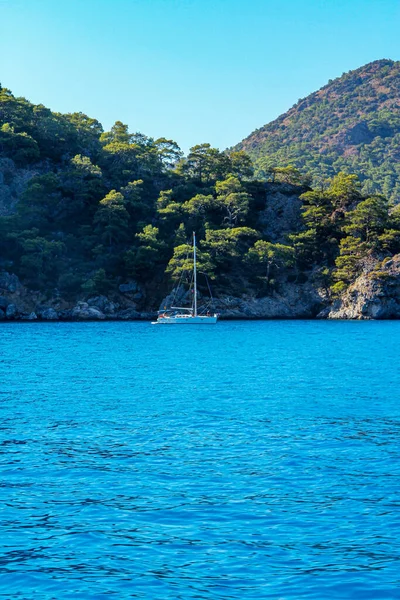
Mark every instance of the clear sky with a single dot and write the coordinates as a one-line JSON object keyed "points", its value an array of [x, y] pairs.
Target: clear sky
{"points": [[191, 70]]}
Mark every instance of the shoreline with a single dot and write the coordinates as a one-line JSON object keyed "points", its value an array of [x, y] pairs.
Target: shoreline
{"points": [[223, 319]]}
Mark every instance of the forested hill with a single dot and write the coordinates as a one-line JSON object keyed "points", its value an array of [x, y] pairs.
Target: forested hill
{"points": [[352, 124], [84, 211], [98, 223]]}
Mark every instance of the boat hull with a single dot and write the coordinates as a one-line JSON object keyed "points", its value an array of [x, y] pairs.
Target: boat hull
{"points": [[186, 320]]}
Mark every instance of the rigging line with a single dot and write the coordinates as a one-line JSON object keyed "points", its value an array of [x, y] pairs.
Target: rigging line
{"points": [[210, 302], [209, 289], [206, 307], [180, 280]]}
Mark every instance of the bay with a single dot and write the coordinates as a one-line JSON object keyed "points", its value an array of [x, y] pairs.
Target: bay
{"points": [[243, 460]]}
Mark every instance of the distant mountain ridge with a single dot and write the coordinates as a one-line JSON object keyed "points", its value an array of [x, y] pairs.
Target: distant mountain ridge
{"points": [[352, 124]]}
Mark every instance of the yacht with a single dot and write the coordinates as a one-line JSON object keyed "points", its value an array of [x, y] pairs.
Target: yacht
{"points": [[187, 316]]}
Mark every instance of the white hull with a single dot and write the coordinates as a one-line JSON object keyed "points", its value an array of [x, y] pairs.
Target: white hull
{"points": [[186, 320]]}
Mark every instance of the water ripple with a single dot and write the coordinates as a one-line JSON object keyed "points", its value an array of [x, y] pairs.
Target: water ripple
{"points": [[251, 460]]}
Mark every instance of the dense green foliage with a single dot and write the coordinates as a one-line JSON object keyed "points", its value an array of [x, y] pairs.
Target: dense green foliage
{"points": [[85, 210], [352, 125]]}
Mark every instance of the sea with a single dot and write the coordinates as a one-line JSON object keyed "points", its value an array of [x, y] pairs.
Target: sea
{"points": [[243, 460]]}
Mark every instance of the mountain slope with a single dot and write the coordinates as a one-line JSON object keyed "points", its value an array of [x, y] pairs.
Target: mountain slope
{"points": [[352, 124], [96, 224]]}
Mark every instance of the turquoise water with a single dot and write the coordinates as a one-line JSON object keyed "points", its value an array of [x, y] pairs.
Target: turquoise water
{"points": [[244, 460]]}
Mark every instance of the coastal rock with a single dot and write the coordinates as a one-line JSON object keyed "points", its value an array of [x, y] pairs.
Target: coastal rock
{"points": [[133, 291], [9, 282], [98, 302], [374, 295], [324, 313], [65, 315], [49, 314], [259, 308], [2, 315], [3, 303], [11, 311], [293, 302], [103, 304], [90, 313], [128, 314], [30, 317], [83, 311]]}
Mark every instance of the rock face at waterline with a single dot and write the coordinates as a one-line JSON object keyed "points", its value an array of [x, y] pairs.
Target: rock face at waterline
{"points": [[374, 295], [18, 303], [294, 301]]}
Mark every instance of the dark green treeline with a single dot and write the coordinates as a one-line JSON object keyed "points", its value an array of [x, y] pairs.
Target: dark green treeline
{"points": [[84, 210]]}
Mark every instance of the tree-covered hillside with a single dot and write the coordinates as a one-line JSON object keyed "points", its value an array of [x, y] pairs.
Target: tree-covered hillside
{"points": [[352, 124], [86, 212]]}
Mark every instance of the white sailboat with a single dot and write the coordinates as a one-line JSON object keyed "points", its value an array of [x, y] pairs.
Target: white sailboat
{"points": [[186, 316]]}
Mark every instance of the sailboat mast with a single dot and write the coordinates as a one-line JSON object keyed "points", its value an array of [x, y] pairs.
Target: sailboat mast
{"points": [[194, 275]]}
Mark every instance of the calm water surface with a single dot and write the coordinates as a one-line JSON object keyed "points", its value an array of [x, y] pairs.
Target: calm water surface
{"points": [[246, 460]]}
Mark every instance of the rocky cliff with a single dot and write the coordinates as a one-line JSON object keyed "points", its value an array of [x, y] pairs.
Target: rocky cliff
{"points": [[17, 303], [374, 295]]}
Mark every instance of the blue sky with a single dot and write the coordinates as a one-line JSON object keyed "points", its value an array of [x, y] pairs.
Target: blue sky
{"points": [[191, 70]]}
